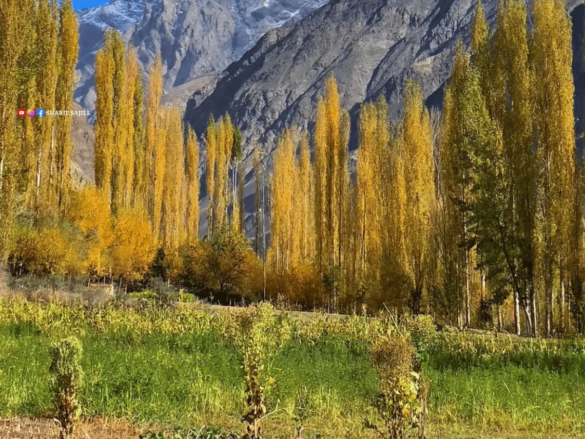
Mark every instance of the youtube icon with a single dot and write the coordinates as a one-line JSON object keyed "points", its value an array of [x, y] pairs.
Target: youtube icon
{"points": [[21, 112]]}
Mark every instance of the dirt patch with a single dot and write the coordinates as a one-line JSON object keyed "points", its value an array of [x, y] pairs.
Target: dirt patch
{"points": [[39, 428]]}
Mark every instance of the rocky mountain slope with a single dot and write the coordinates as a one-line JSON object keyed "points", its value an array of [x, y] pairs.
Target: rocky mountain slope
{"points": [[196, 38], [371, 47]]}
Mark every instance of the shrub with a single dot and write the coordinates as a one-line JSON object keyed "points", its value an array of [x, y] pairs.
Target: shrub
{"points": [[223, 267], [397, 400], [133, 247], [67, 382], [45, 252], [258, 334]]}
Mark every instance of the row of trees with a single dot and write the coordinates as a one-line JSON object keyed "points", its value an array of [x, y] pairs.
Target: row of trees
{"points": [[478, 206], [38, 53], [145, 160], [465, 214]]}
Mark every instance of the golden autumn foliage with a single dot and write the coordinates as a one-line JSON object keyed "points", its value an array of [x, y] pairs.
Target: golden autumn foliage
{"points": [[172, 184], [133, 247], [223, 266], [67, 52], [48, 252], [283, 253], [90, 212], [552, 56], [38, 53], [155, 145], [418, 168], [192, 198]]}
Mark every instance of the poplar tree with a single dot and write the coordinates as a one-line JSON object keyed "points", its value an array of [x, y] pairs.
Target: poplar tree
{"points": [[480, 49], [192, 187], [48, 26], [14, 20], [237, 155], [104, 129], [257, 197], [173, 180], [370, 181], [551, 56], [139, 140], [331, 183], [225, 141], [281, 202], [305, 194], [130, 159], [507, 248], [394, 275], [162, 136], [447, 288], [211, 152], [115, 44], [464, 100], [154, 160], [420, 189], [67, 52]]}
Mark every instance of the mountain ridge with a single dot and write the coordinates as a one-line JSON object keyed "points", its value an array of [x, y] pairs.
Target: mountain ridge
{"points": [[371, 47], [196, 38]]}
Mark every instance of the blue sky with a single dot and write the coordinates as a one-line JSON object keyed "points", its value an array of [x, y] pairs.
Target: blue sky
{"points": [[80, 4]]}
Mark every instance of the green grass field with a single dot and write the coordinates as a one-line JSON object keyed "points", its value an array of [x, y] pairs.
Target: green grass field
{"points": [[195, 379]]}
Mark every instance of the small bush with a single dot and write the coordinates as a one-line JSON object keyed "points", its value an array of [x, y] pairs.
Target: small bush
{"points": [[397, 400], [67, 382], [258, 333]]}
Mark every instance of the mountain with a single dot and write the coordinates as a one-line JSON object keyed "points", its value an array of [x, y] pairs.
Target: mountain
{"points": [[196, 38], [371, 47]]}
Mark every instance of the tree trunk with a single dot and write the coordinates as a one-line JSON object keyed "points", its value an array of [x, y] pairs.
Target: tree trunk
{"points": [[533, 311], [467, 293], [517, 313], [562, 327]]}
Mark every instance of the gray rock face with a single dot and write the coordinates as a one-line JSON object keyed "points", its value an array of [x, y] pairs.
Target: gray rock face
{"points": [[371, 46], [196, 38]]}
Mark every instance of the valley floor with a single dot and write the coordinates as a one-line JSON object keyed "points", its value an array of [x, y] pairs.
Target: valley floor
{"points": [[171, 370]]}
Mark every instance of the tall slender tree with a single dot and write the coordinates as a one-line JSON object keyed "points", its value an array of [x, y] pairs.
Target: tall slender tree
{"points": [[68, 49], [155, 137], [551, 54], [211, 153], [192, 187], [420, 189]]}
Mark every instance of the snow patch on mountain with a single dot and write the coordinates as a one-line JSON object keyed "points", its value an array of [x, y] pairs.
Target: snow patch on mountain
{"points": [[117, 14]]}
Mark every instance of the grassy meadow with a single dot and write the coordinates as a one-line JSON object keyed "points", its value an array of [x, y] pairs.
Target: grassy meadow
{"points": [[174, 370]]}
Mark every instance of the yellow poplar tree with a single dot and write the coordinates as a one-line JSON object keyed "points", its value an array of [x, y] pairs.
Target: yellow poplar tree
{"points": [[173, 181], [68, 49], [139, 151], [281, 201], [225, 140], [154, 135], [192, 187], [211, 153], [257, 196], [420, 188], [551, 54], [48, 26], [104, 130], [305, 195]]}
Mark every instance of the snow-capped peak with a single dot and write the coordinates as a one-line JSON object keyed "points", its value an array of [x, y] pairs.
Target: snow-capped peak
{"points": [[117, 14]]}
